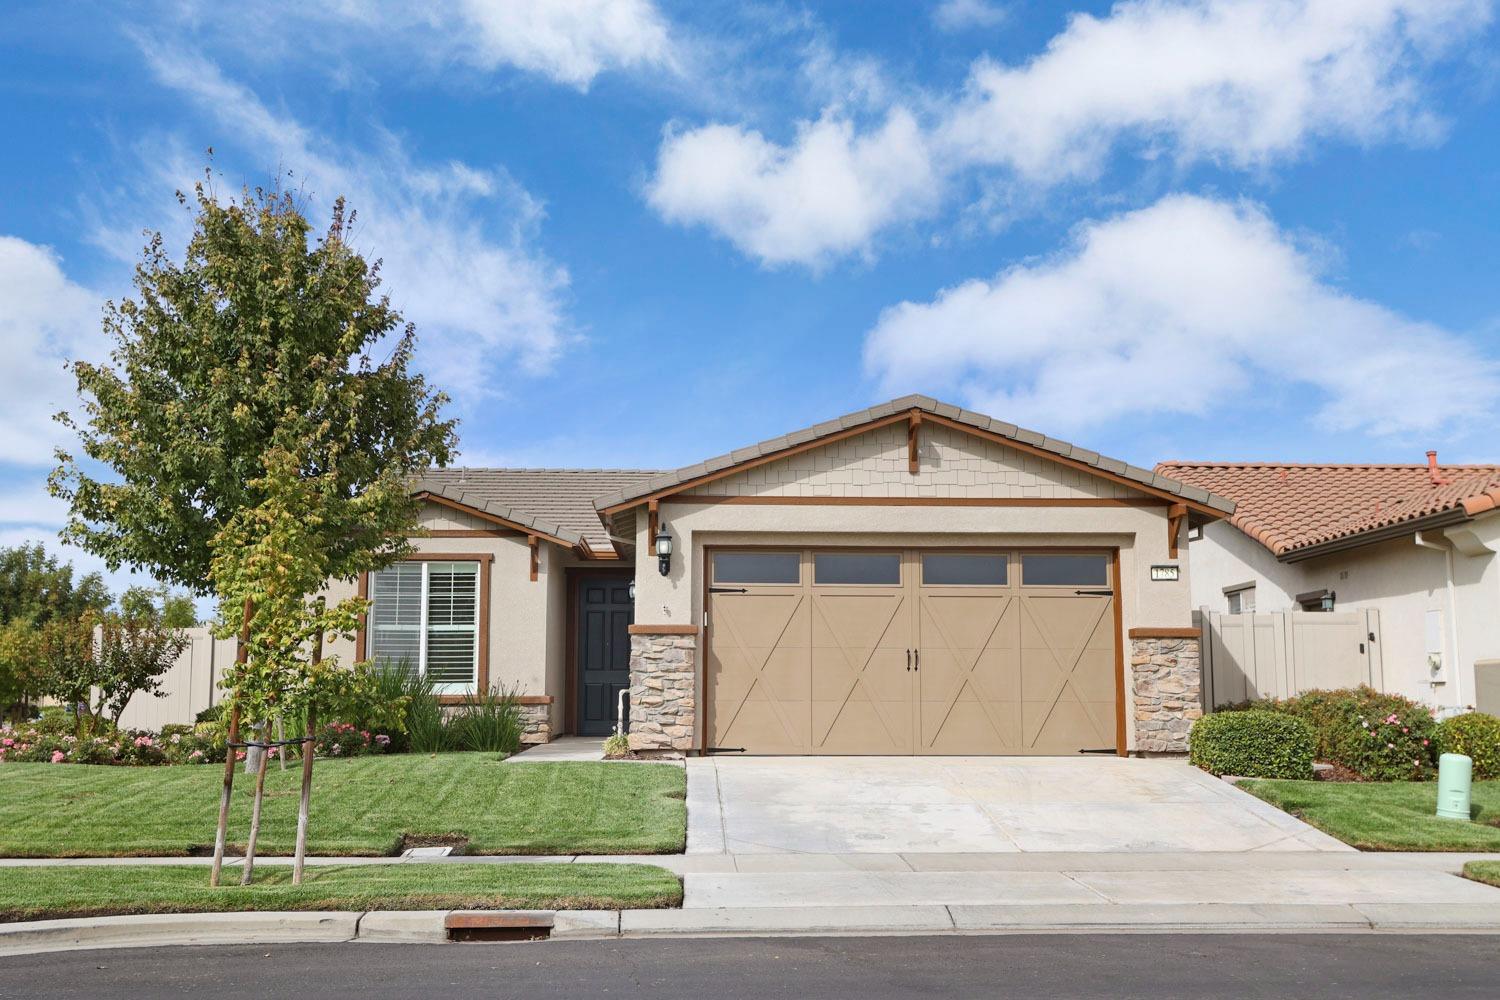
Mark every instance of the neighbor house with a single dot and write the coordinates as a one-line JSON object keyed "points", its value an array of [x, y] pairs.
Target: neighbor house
{"points": [[910, 579], [1416, 542]]}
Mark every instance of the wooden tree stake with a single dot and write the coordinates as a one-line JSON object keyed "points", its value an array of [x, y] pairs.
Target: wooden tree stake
{"points": [[260, 792]]}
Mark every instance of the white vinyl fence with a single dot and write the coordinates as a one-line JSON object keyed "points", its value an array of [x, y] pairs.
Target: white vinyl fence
{"points": [[1284, 653], [189, 686]]}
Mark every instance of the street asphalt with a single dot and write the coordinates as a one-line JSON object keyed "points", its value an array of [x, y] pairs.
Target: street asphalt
{"points": [[878, 968]]}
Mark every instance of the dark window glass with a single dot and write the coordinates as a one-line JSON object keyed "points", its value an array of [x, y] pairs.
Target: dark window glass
{"points": [[857, 567], [971, 569], [1058, 570], [757, 567]]}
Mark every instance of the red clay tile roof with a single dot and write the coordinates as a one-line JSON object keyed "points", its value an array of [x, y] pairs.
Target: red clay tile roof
{"points": [[1292, 507]]}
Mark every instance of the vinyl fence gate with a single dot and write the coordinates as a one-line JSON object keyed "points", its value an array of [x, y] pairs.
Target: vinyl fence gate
{"points": [[1284, 653]]}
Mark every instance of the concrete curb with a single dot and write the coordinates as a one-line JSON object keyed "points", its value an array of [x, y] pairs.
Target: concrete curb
{"points": [[430, 926]]}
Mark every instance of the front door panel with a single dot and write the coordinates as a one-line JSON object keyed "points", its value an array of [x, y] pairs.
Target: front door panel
{"points": [[605, 612]]}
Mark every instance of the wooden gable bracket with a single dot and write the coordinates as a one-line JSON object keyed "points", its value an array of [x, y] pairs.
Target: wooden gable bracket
{"points": [[653, 513], [1176, 514], [535, 544], [913, 465]]}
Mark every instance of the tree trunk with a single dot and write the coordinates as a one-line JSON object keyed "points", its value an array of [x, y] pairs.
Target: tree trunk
{"points": [[242, 655], [224, 796], [281, 750], [308, 742], [260, 793]]}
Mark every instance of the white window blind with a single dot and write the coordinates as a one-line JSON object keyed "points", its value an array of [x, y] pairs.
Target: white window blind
{"points": [[426, 615]]}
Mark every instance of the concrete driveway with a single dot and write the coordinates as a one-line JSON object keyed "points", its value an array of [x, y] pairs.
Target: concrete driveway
{"points": [[907, 805]]}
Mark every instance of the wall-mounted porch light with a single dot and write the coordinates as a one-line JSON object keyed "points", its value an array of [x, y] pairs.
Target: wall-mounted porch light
{"points": [[663, 549], [1326, 603], [631, 589]]}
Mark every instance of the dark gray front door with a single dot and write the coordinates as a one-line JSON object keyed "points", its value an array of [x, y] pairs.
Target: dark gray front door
{"points": [[605, 612]]}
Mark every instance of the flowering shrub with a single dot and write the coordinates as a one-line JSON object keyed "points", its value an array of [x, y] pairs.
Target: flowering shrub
{"points": [[343, 739], [1396, 746], [29, 743]]}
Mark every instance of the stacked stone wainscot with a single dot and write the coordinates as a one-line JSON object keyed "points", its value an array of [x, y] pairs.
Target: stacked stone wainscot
{"points": [[1166, 687], [663, 664], [536, 722]]}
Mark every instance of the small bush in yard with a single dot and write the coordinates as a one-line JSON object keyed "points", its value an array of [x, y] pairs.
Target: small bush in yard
{"points": [[1380, 736], [1476, 736], [617, 746], [1252, 744]]}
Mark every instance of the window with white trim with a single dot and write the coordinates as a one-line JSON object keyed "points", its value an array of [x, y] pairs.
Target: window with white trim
{"points": [[1240, 601], [426, 615]]}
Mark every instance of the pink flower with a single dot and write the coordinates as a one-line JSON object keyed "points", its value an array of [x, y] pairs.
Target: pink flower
{"points": [[195, 755], [7, 742], [1424, 743], [58, 756], [1391, 719], [239, 755]]}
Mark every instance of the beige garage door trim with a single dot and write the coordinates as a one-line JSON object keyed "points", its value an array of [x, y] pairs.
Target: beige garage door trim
{"points": [[799, 667]]}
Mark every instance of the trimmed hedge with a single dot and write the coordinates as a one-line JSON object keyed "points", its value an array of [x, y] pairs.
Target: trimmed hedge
{"points": [[1252, 744], [1475, 735]]}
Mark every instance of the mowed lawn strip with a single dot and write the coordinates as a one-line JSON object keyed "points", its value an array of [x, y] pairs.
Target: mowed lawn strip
{"points": [[1387, 816], [1487, 872], [34, 893], [363, 806]]}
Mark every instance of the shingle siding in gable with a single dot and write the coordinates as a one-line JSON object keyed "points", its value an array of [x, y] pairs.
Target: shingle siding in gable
{"points": [[953, 464]]}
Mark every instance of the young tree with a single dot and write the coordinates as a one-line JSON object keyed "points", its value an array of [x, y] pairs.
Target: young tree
{"points": [[36, 589], [99, 662], [248, 361], [173, 608]]}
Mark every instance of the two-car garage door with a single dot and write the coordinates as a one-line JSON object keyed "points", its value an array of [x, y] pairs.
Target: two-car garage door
{"points": [[911, 651]]}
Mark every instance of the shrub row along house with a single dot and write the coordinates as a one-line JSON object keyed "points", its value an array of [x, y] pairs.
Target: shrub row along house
{"points": [[1418, 543], [910, 579]]}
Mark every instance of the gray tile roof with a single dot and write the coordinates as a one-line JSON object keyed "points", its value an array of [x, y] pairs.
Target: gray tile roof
{"points": [[557, 502], [653, 483]]}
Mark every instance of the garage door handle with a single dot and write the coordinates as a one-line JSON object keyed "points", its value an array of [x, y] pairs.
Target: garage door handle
{"points": [[727, 590], [1094, 593], [908, 659]]}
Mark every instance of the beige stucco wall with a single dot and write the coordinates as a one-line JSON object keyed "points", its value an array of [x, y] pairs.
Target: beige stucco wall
{"points": [[1139, 532], [1397, 577]]}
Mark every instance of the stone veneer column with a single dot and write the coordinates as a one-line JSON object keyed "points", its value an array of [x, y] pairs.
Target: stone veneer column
{"points": [[663, 665], [536, 723], [1167, 688]]}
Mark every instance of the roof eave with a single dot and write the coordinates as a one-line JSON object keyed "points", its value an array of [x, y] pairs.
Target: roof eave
{"points": [[1440, 519]]}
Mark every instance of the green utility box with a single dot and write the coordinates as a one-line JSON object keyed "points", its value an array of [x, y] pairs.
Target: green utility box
{"points": [[1455, 775]]}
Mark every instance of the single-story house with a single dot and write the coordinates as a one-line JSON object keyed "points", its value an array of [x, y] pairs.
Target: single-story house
{"points": [[913, 578], [1417, 542]]}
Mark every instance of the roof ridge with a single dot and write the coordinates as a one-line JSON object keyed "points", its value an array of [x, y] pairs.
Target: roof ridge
{"points": [[539, 468], [1327, 465]]}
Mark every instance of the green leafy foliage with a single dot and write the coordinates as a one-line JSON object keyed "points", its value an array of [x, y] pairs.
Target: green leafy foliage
{"points": [[256, 329], [1476, 736], [1254, 744], [36, 590], [175, 609]]}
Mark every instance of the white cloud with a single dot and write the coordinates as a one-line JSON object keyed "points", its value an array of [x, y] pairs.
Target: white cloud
{"points": [[1171, 310], [959, 15], [826, 194], [1244, 82], [45, 320], [1241, 83], [570, 42], [455, 240]]}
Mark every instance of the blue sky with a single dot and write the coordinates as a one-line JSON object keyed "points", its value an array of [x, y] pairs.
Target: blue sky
{"points": [[642, 232]]}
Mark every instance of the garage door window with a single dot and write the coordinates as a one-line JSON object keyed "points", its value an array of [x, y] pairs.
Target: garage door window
{"points": [[857, 568], [1053, 569], [758, 567], [963, 569]]}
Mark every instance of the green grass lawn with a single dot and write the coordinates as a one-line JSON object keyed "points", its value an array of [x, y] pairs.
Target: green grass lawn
{"points": [[1387, 816], [363, 806], [104, 890], [1487, 872]]}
